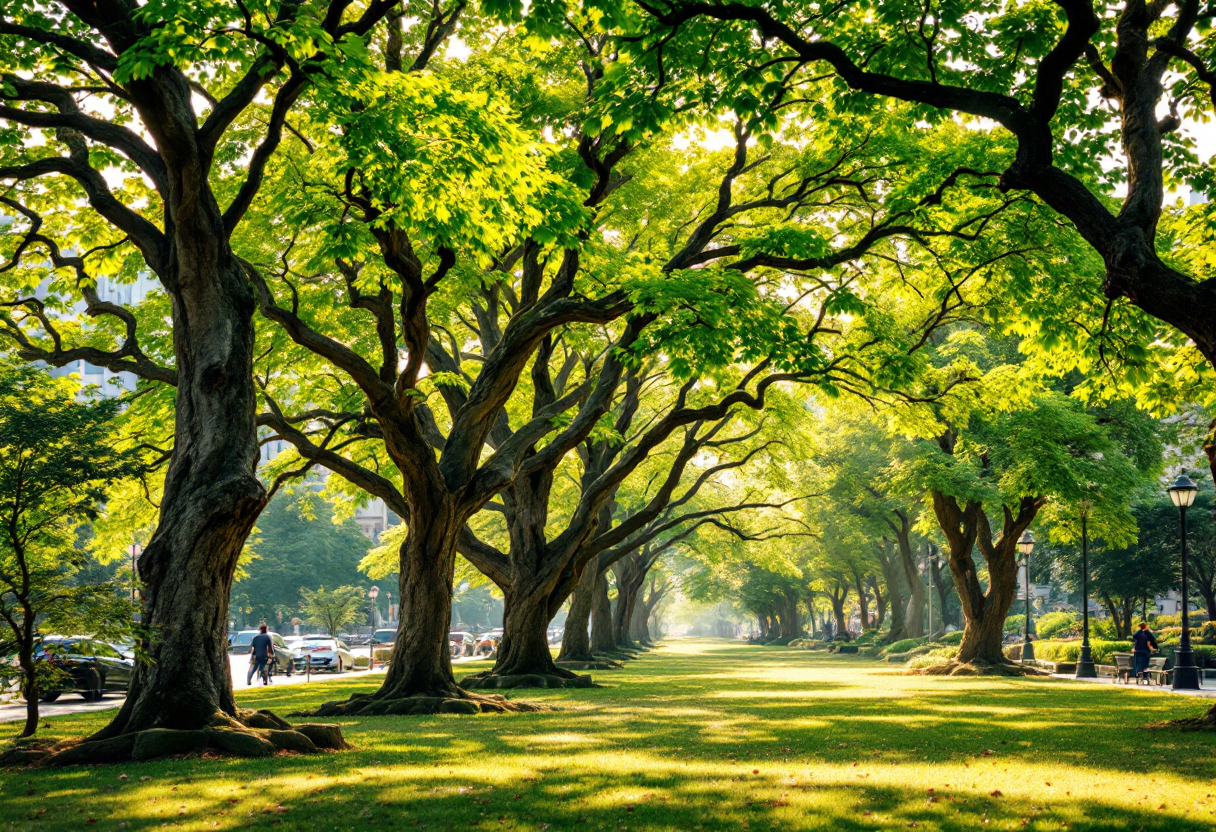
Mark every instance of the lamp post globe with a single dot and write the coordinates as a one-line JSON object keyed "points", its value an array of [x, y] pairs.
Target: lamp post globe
{"points": [[1186, 676], [1025, 546]]}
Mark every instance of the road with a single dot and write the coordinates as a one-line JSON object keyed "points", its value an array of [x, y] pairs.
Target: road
{"points": [[70, 703]]}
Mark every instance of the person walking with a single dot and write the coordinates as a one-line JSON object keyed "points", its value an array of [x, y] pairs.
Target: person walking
{"points": [[259, 656], [1143, 642]]}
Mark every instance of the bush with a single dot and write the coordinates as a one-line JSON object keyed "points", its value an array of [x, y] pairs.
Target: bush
{"points": [[904, 645], [955, 638], [1069, 651], [1055, 623], [1015, 623], [941, 655]]}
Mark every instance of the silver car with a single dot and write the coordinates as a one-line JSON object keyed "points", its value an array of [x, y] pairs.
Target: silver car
{"points": [[325, 653]]}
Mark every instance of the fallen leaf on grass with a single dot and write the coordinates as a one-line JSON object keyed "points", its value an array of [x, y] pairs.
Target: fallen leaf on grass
{"points": [[996, 792]]}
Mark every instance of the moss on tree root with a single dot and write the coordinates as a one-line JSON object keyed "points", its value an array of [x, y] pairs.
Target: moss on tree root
{"points": [[491, 681], [250, 734], [591, 664], [978, 667], [421, 705]]}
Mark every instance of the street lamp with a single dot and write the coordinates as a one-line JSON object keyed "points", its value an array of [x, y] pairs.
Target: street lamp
{"points": [[1085, 661], [1186, 675], [371, 637], [1025, 545], [929, 558]]}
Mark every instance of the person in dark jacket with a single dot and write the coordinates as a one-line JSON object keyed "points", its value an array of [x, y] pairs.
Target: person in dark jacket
{"points": [[1143, 642], [260, 652]]}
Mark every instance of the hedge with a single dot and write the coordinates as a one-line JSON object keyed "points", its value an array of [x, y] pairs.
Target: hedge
{"points": [[904, 645], [1053, 623], [1069, 651]]}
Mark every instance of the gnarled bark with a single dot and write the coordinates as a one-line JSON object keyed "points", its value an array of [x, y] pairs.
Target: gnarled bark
{"points": [[419, 678], [984, 612]]}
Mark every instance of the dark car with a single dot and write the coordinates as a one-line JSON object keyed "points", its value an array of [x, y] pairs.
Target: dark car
{"points": [[89, 667]]}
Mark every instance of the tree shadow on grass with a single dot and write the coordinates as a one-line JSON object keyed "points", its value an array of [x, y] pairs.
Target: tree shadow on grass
{"points": [[724, 738]]}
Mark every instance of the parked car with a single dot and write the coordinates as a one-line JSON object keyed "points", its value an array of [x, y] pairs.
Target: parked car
{"points": [[488, 642], [91, 668], [555, 635], [284, 660], [462, 643], [325, 653], [239, 642], [384, 638]]}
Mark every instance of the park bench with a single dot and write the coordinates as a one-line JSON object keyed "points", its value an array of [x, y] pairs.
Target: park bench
{"points": [[1157, 672], [1123, 667]]}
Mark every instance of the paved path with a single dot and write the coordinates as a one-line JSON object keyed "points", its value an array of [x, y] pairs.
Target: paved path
{"points": [[71, 703], [1208, 692]]}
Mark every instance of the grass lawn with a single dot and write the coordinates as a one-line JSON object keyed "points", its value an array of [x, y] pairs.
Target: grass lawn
{"points": [[702, 735]]}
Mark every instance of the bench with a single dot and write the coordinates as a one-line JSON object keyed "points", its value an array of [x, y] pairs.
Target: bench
{"points": [[1157, 672], [1123, 668]]}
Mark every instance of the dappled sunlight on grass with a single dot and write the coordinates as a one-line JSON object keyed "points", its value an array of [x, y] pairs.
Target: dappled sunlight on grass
{"points": [[704, 735]]}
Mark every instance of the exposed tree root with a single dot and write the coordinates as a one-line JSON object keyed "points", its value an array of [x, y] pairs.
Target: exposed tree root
{"points": [[421, 705], [978, 667], [1206, 722], [590, 664], [251, 734], [488, 680]]}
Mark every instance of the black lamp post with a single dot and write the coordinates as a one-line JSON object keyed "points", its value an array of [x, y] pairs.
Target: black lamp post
{"points": [[1085, 662], [1186, 675], [1025, 545], [929, 569], [371, 636]]}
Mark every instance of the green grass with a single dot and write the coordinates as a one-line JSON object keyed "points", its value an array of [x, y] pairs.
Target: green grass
{"points": [[704, 735]]}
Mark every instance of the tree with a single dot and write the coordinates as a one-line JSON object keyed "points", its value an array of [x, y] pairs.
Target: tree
{"points": [[972, 67], [155, 125], [297, 541], [56, 459], [380, 267], [996, 451], [333, 609]]}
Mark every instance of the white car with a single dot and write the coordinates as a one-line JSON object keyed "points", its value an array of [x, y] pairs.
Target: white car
{"points": [[325, 653]]}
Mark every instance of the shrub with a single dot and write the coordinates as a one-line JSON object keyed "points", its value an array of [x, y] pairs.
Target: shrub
{"points": [[1207, 633], [941, 655], [955, 638], [904, 645], [1057, 651], [1069, 651], [1054, 623], [1015, 623]]}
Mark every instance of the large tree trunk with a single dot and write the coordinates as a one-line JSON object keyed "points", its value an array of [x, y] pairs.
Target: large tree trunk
{"points": [[419, 678], [523, 658], [791, 619], [212, 497], [943, 583], [576, 641], [880, 603], [983, 611], [212, 493], [29, 687], [639, 626], [862, 601], [602, 637], [914, 611]]}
